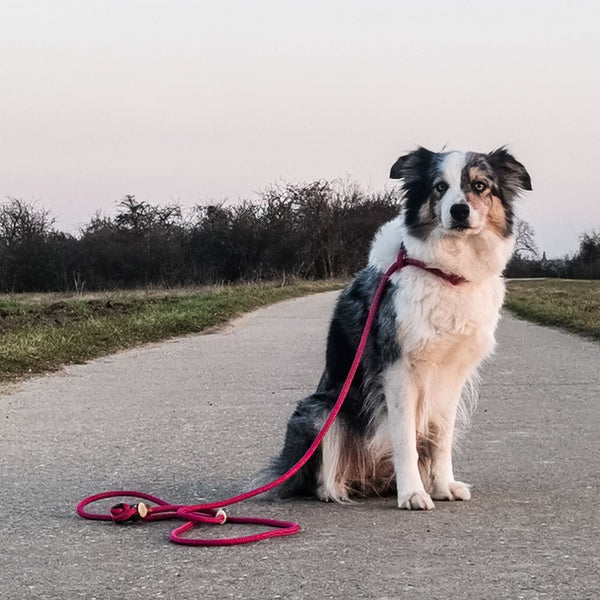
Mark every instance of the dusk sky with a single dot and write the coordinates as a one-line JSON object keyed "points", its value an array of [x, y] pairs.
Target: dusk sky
{"points": [[196, 101]]}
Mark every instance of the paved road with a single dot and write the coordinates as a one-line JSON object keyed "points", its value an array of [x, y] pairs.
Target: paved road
{"points": [[193, 418]]}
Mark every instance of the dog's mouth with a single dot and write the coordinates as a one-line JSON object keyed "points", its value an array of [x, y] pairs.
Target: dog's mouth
{"points": [[460, 227]]}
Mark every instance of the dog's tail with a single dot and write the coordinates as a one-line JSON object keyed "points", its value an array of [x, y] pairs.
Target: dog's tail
{"points": [[302, 429]]}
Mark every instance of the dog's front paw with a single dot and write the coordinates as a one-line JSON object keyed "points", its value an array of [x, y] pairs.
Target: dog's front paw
{"points": [[415, 501], [455, 490]]}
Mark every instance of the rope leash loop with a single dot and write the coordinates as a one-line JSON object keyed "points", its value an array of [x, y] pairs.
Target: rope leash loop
{"points": [[276, 529], [192, 515], [212, 513]]}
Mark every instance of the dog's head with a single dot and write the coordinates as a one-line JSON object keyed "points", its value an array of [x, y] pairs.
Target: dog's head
{"points": [[460, 193]]}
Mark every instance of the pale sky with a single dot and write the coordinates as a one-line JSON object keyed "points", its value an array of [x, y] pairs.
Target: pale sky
{"points": [[198, 101]]}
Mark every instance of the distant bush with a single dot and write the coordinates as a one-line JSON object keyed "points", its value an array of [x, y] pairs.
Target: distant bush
{"points": [[310, 231], [586, 263], [30, 248]]}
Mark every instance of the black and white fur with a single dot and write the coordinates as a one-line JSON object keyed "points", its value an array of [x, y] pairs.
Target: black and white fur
{"points": [[397, 426]]}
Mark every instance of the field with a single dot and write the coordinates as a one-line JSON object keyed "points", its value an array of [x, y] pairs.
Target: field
{"points": [[40, 333], [573, 305]]}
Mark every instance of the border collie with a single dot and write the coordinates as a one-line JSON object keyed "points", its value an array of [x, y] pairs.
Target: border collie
{"points": [[397, 427]]}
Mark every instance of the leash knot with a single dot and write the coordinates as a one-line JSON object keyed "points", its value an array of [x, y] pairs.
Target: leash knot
{"points": [[124, 513]]}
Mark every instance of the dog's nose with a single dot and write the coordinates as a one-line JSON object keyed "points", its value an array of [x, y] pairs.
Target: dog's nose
{"points": [[460, 212]]}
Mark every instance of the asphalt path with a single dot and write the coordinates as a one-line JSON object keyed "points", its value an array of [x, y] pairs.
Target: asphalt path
{"points": [[194, 418]]}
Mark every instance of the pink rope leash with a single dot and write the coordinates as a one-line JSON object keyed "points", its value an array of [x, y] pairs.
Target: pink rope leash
{"points": [[212, 513]]}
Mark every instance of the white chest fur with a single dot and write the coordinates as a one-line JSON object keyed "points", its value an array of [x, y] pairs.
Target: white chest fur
{"points": [[435, 318]]}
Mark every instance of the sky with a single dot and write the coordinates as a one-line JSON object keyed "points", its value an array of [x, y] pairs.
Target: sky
{"points": [[205, 101]]}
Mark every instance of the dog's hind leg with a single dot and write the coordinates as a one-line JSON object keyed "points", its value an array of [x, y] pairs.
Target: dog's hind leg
{"points": [[303, 426], [336, 457]]}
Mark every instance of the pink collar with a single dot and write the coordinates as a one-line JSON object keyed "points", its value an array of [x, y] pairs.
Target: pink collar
{"points": [[404, 260]]}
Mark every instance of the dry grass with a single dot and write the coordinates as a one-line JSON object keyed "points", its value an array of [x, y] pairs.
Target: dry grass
{"points": [[571, 304], [43, 332]]}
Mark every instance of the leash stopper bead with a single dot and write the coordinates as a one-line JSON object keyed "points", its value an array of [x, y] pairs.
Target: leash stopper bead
{"points": [[221, 513], [142, 510]]}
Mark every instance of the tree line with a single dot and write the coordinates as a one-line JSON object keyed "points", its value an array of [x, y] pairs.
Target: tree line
{"points": [[317, 230]]}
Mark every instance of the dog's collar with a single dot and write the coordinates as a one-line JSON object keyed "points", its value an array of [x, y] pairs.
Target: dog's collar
{"points": [[403, 260]]}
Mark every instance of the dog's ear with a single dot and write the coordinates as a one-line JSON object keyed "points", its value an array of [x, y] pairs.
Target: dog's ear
{"points": [[512, 174], [412, 166]]}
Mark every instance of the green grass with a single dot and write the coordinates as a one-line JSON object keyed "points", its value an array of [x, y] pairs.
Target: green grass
{"points": [[40, 333], [571, 304]]}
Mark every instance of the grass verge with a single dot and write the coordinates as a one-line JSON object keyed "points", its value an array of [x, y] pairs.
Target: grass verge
{"points": [[43, 332], [40, 333], [571, 304]]}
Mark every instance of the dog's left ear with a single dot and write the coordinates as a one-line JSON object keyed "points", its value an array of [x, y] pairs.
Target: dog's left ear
{"points": [[412, 165], [512, 174]]}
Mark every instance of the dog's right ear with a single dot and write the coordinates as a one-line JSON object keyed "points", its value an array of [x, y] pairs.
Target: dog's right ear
{"points": [[412, 166]]}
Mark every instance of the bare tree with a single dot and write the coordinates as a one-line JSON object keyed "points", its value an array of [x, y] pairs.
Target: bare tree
{"points": [[22, 221], [525, 246], [27, 249]]}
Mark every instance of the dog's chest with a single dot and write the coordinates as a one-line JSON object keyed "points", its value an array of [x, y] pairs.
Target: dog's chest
{"points": [[430, 312]]}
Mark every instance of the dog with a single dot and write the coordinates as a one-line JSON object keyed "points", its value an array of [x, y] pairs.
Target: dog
{"points": [[397, 427]]}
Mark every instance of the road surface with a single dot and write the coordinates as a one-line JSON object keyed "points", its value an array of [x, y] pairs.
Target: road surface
{"points": [[194, 418]]}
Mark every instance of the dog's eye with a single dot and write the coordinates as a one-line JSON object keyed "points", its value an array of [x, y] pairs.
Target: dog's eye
{"points": [[479, 186], [440, 187]]}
